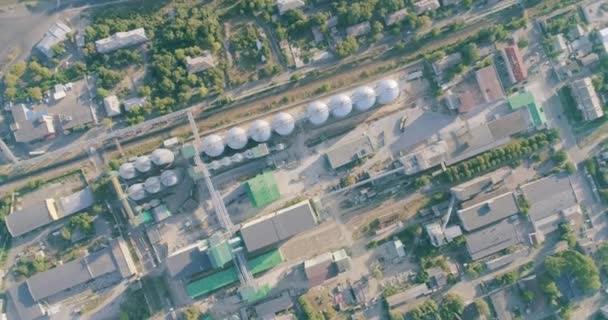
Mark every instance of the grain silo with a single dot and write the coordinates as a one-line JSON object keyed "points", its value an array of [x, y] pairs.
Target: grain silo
{"points": [[340, 105], [283, 123], [317, 112], [169, 178], [127, 171], [364, 98], [136, 192], [260, 131], [162, 157], [214, 165], [153, 185], [237, 157], [213, 145], [387, 91]]}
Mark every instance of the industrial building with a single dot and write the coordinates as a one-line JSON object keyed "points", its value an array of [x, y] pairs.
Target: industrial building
{"points": [[488, 212], [490, 86], [515, 64], [56, 34], [121, 40], [31, 126], [111, 105], [47, 211], [270, 229], [105, 267], [348, 152], [262, 190], [268, 309], [492, 240], [526, 99]]}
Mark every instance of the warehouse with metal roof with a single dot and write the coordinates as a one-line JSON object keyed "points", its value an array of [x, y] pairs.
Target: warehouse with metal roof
{"points": [[189, 261], [491, 240], [348, 152], [278, 226], [488, 212], [262, 189]]}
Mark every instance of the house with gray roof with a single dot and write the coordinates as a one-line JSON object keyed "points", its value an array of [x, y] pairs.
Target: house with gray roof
{"points": [[491, 240], [268, 309], [423, 6], [359, 29], [396, 17], [488, 212], [121, 40], [56, 34], [587, 100], [31, 126]]}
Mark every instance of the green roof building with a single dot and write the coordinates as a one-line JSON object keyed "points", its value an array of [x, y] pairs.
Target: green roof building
{"points": [[526, 99], [220, 252], [262, 189]]}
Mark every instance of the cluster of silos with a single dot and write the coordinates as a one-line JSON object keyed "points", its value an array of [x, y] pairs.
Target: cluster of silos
{"points": [[362, 98], [236, 138], [153, 185], [143, 164]]}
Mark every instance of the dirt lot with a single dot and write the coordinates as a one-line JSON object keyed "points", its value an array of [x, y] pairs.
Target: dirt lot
{"points": [[326, 237]]}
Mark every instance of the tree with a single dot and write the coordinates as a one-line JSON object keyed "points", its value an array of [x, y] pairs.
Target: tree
{"points": [[569, 167], [58, 49], [377, 28], [551, 291], [522, 43], [467, 3], [144, 91], [602, 255], [422, 181], [482, 308], [395, 316], [18, 69], [559, 157], [578, 266], [347, 47], [107, 122], [35, 93], [470, 53], [10, 93], [83, 222], [102, 93], [451, 306], [191, 313]]}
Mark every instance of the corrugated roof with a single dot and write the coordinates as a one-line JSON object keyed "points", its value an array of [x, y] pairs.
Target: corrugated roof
{"points": [[488, 212], [548, 196], [188, 261], [259, 233], [76, 202], [488, 82], [262, 189], [28, 219], [265, 262], [347, 152], [26, 307], [491, 240], [273, 306]]}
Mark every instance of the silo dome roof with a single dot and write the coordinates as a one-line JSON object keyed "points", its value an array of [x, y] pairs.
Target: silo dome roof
{"points": [[340, 105], [213, 145], [260, 131], [143, 164], [236, 138], [387, 91], [136, 192], [161, 157], [215, 164], [225, 161], [317, 112], [169, 178], [283, 123], [237, 157], [153, 185], [364, 98], [127, 171]]}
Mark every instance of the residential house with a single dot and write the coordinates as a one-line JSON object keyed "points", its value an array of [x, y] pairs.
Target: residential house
{"points": [[111, 105], [587, 100], [396, 17], [359, 29]]}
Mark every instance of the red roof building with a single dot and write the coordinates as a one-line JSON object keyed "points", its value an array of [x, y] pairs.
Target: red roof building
{"points": [[515, 63]]}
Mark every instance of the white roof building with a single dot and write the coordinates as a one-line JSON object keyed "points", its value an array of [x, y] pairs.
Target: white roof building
{"points": [[586, 99], [286, 5], [137, 102], [423, 6], [121, 40], [59, 92], [112, 106]]}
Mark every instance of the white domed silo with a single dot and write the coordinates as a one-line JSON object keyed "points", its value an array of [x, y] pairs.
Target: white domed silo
{"points": [[136, 192], [143, 164], [364, 98], [340, 105], [162, 157], [225, 162], [236, 138], [260, 131], [387, 91], [237, 157], [213, 145], [169, 178], [283, 123], [317, 112], [214, 165], [127, 171], [153, 185]]}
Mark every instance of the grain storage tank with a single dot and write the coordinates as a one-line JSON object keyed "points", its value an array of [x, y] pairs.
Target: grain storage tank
{"points": [[162, 157], [283, 123], [225, 162], [364, 98], [153, 185], [340, 105], [260, 131], [143, 164], [213, 145], [237, 157], [236, 138], [317, 112], [214, 165], [387, 91], [127, 171], [136, 192], [169, 178]]}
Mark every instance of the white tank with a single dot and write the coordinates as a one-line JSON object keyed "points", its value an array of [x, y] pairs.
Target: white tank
{"points": [[364, 98], [283, 123], [143, 164], [237, 157], [214, 165], [225, 161], [136, 192], [340, 105], [213, 145], [155, 202], [260, 131], [236, 138], [153, 185], [162, 157], [127, 171], [317, 112], [387, 91], [169, 178]]}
